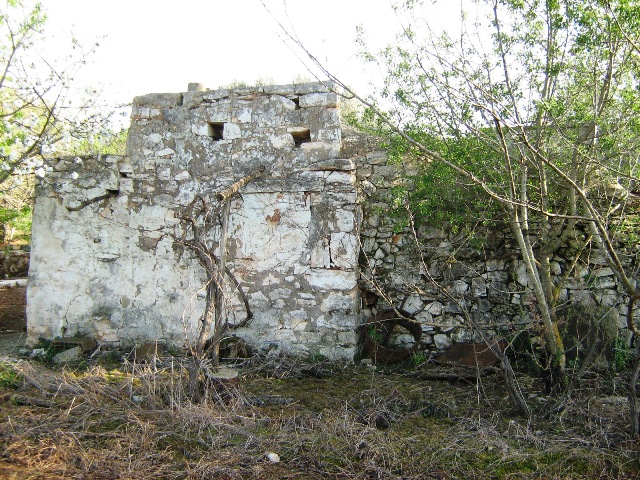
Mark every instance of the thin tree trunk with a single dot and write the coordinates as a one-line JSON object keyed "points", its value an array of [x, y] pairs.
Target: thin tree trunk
{"points": [[551, 334], [634, 408], [218, 329], [515, 394]]}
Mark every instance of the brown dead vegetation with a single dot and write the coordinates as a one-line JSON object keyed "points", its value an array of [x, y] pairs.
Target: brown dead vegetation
{"points": [[134, 421]]}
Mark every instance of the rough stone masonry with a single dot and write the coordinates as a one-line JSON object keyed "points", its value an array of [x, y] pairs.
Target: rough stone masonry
{"points": [[104, 261], [305, 239]]}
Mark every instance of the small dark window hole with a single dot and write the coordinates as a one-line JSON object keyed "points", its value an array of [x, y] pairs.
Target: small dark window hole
{"points": [[216, 130], [301, 136], [296, 100]]}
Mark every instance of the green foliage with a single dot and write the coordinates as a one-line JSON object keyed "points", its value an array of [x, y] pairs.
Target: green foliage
{"points": [[16, 200], [418, 358], [529, 115], [627, 229], [622, 355], [41, 113], [105, 143], [16, 220], [438, 195], [8, 215], [375, 333], [49, 351], [316, 357], [10, 377], [494, 109], [258, 82]]}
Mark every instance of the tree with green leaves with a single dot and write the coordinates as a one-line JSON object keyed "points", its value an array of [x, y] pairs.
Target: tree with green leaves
{"points": [[42, 113], [535, 105]]}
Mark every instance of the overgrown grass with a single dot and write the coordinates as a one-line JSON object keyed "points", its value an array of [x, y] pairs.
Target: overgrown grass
{"points": [[323, 420]]}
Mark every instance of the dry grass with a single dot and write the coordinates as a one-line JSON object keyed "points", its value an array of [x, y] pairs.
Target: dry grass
{"points": [[324, 421]]}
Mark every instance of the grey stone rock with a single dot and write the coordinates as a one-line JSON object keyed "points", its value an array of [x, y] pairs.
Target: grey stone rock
{"points": [[68, 356]]}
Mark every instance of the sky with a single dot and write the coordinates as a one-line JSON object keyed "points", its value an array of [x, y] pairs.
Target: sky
{"points": [[160, 46], [152, 46]]}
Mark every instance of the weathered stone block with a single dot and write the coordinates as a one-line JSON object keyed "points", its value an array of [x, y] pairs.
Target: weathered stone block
{"points": [[478, 287], [435, 308], [319, 100], [442, 341], [344, 250], [331, 279], [67, 356]]}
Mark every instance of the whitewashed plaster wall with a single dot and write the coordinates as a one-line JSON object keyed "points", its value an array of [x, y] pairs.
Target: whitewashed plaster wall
{"points": [[104, 261]]}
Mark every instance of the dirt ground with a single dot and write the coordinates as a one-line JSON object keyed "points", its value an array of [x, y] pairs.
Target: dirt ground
{"points": [[10, 343], [105, 418]]}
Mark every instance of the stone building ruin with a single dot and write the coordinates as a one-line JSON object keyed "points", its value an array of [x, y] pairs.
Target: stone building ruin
{"points": [[304, 238]]}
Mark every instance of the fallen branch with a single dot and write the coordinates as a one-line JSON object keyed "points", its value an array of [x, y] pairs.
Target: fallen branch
{"points": [[456, 376]]}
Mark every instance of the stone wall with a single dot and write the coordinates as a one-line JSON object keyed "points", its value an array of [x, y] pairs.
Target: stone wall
{"points": [[487, 280], [14, 263], [104, 259], [305, 239]]}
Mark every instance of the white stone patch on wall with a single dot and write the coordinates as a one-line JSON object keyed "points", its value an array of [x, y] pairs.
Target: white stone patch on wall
{"points": [[149, 217], [345, 220], [337, 303], [320, 254], [231, 131], [522, 276], [165, 152], [344, 250], [332, 135], [283, 102], [319, 100], [184, 175], [282, 141], [244, 115], [442, 341], [320, 150], [332, 279], [343, 178], [218, 114], [201, 129], [271, 229]]}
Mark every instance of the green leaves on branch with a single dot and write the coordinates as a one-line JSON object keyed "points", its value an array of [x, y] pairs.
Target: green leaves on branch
{"points": [[42, 112]]}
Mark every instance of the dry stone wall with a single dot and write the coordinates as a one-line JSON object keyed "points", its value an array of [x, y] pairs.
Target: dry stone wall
{"points": [[14, 263], [488, 281]]}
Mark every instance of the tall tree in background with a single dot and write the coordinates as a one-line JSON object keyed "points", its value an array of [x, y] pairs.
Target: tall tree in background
{"points": [[41, 111], [547, 92]]}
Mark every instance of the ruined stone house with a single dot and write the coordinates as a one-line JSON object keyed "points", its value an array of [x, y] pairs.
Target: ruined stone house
{"points": [[304, 238], [104, 262]]}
